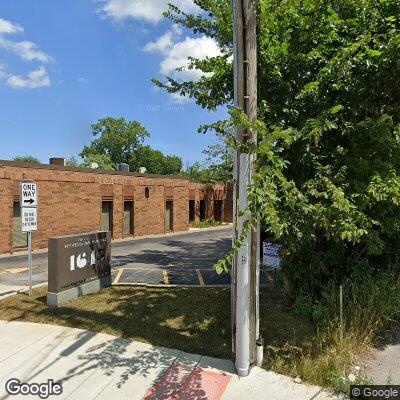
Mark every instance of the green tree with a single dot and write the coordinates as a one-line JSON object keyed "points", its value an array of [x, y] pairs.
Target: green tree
{"points": [[328, 181], [155, 161], [73, 162], [26, 159], [219, 161], [121, 141], [196, 172], [116, 138], [103, 161], [218, 166]]}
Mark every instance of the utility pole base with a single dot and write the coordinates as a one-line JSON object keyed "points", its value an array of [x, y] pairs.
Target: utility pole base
{"points": [[243, 372]]}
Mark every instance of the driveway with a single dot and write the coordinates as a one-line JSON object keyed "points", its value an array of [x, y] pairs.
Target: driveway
{"points": [[184, 259]]}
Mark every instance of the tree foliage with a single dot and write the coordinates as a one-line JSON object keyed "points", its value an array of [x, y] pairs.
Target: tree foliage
{"points": [[155, 161], [120, 141], [117, 138], [27, 159], [217, 167], [99, 161], [328, 172]]}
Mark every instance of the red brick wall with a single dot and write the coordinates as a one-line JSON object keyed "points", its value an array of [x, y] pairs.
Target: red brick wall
{"points": [[66, 208], [228, 205], [149, 212], [5, 213], [70, 201], [181, 207]]}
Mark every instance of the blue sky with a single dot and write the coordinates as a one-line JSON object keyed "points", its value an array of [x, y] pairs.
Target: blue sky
{"points": [[66, 63]]}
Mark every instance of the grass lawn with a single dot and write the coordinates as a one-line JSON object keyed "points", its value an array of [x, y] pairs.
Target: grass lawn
{"points": [[193, 320]]}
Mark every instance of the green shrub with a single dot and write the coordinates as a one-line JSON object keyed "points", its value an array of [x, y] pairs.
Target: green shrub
{"points": [[370, 306], [206, 223]]}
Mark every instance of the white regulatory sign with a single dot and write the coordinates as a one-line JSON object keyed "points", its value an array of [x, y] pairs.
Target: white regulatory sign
{"points": [[29, 219], [29, 194], [271, 256]]}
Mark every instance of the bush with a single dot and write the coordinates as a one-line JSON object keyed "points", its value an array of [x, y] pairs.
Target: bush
{"points": [[206, 223], [328, 153], [370, 307]]}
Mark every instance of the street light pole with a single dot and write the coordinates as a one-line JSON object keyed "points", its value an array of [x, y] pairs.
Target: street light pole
{"points": [[245, 270]]}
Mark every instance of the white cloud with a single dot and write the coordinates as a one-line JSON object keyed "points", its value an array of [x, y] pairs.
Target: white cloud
{"points": [[149, 10], [200, 48], [179, 99], [25, 49], [34, 79], [176, 52], [162, 44], [3, 73], [7, 27], [165, 42], [174, 49], [82, 80]]}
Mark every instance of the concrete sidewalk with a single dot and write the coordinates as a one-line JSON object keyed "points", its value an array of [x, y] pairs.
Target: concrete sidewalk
{"points": [[97, 366]]}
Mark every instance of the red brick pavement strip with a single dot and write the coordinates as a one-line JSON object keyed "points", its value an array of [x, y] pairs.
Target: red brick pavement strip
{"points": [[198, 385], [203, 385]]}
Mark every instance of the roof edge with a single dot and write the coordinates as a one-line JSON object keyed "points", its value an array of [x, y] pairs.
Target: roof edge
{"points": [[8, 163]]}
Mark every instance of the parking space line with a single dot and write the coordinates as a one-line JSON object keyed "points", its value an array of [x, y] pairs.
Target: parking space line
{"points": [[201, 280], [17, 270], [118, 277], [166, 279]]}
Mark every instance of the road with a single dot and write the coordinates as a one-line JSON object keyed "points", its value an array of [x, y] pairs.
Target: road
{"points": [[185, 259]]}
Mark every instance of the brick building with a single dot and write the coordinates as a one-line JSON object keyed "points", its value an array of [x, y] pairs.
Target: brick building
{"points": [[78, 200]]}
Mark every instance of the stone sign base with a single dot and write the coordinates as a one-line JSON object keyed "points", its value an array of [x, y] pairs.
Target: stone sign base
{"points": [[57, 299]]}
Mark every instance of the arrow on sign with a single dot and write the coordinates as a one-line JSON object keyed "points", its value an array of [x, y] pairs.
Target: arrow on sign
{"points": [[30, 201]]}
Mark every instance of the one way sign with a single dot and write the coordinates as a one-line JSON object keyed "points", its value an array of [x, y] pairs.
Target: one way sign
{"points": [[29, 194]]}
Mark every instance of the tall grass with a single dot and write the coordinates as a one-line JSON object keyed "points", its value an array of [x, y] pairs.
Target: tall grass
{"points": [[370, 306]]}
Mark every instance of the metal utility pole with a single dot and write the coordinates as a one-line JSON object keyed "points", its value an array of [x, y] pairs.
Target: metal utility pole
{"points": [[245, 270]]}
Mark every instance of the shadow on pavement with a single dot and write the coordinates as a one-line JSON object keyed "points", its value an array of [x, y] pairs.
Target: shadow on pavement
{"points": [[181, 255]]}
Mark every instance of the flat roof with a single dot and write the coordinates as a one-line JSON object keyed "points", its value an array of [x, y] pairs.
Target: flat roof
{"points": [[7, 163]]}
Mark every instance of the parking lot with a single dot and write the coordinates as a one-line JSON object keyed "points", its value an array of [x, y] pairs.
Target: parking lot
{"points": [[185, 259]]}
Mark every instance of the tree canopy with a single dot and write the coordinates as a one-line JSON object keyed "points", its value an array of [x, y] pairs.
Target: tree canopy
{"points": [[116, 138], [155, 161], [328, 173], [218, 166], [26, 159], [120, 141]]}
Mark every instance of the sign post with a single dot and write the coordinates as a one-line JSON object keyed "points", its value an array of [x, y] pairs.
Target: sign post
{"points": [[30, 261], [29, 218]]}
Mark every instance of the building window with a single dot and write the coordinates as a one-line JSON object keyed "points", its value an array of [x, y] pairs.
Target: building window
{"points": [[192, 210], [128, 218], [169, 216], [147, 192], [106, 216], [20, 239]]}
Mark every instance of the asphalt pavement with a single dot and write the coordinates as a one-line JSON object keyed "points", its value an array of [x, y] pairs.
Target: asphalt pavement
{"points": [[182, 259]]}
